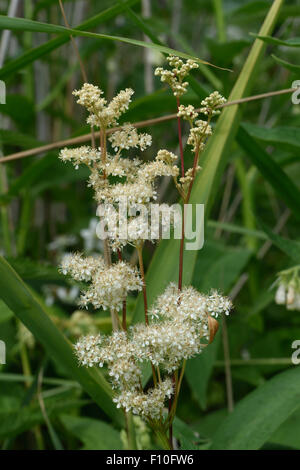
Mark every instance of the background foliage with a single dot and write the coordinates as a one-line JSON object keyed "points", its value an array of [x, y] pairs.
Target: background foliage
{"points": [[243, 392]]}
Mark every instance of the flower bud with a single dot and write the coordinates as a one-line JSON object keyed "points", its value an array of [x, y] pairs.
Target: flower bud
{"points": [[280, 295]]}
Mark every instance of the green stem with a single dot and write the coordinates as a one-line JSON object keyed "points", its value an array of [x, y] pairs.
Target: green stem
{"points": [[131, 435], [163, 438], [28, 380], [246, 181], [218, 7]]}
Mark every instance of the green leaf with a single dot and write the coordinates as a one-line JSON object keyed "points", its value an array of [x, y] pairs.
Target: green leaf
{"points": [[209, 423], [17, 139], [29, 176], [15, 418], [287, 65], [290, 247], [255, 7], [283, 137], [222, 271], [22, 24], [226, 51], [93, 433], [288, 434], [30, 270], [260, 413], [270, 170], [38, 52], [30, 311], [291, 42], [199, 369], [5, 313], [233, 228]]}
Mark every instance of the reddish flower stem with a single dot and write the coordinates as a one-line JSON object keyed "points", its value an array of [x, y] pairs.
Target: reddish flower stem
{"points": [[124, 310], [182, 228], [181, 251], [180, 139], [141, 264]]}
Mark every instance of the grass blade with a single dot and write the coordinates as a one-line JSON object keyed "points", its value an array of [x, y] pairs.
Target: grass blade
{"points": [[38, 52], [22, 24]]}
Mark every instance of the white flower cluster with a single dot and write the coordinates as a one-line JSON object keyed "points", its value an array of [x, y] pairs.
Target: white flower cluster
{"points": [[103, 115], [182, 323], [88, 350], [174, 77], [109, 285], [81, 268], [138, 187], [134, 180], [81, 155], [198, 134], [187, 113], [118, 352], [210, 104], [182, 320], [150, 404], [167, 157], [128, 137], [186, 180], [288, 290]]}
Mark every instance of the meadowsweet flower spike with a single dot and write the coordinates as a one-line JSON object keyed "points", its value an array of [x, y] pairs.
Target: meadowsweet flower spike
{"points": [[103, 115], [181, 322], [174, 77]]}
